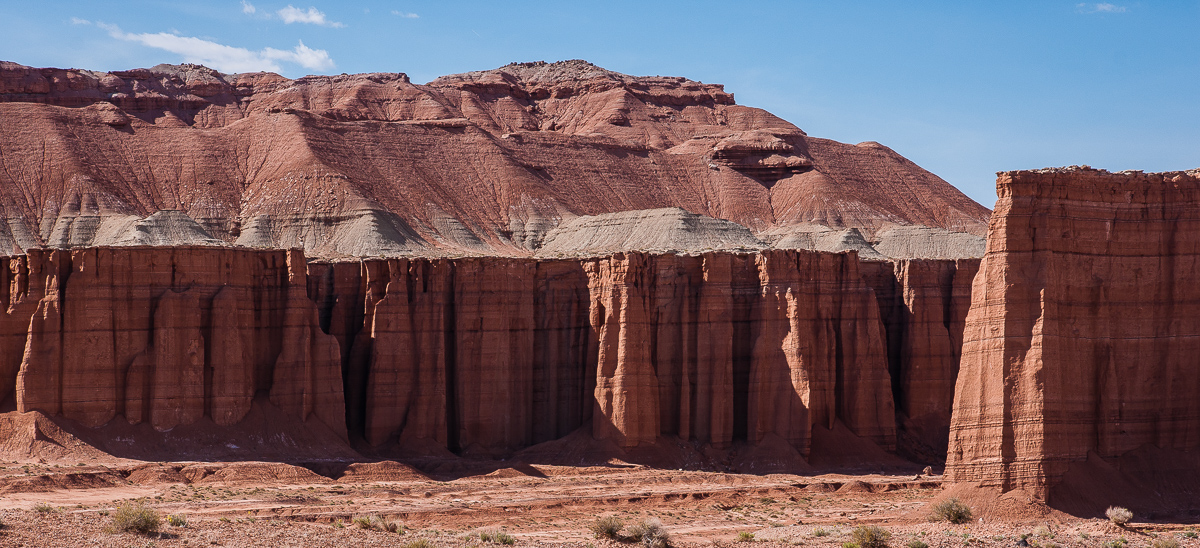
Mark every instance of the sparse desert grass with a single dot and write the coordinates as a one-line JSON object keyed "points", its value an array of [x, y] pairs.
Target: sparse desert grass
{"points": [[916, 544], [607, 527], [1164, 542], [1120, 542], [375, 522], [498, 537], [870, 536], [650, 533], [418, 543], [951, 510], [745, 536], [43, 508], [820, 532], [1118, 515], [136, 518]]}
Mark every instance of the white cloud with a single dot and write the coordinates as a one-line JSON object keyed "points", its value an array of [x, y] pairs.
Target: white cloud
{"points": [[226, 58], [248, 8], [405, 14], [312, 16], [78, 21], [1103, 7]]}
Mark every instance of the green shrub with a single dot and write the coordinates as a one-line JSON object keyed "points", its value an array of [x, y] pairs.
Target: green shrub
{"points": [[176, 520], [819, 532], [951, 510], [745, 536], [607, 527], [136, 518], [870, 536], [1164, 542], [43, 508], [1118, 515], [850, 545], [916, 544], [419, 543], [362, 522], [1116, 543]]}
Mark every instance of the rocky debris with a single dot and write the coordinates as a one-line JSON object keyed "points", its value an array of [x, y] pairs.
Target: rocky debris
{"points": [[1081, 338], [368, 165]]}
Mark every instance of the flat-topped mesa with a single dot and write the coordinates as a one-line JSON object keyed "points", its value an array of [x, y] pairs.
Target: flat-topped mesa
{"points": [[1082, 336], [372, 165]]}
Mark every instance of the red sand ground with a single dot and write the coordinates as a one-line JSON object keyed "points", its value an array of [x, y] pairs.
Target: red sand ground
{"points": [[272, 504]]}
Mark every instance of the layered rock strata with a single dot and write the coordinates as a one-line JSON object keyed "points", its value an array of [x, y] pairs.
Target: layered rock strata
{"points": [[1083, 329], [167, 336], [370, 165], [714, 348], [482, 356], [923, 304]]}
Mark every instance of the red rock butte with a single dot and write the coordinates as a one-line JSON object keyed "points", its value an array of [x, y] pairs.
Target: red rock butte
{"points": [[557, 261]]}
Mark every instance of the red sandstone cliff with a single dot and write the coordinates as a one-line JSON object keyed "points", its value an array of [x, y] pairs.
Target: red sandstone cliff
{"points": [[482, 356], [1081, 339], [371, 164], [923, 304], [169, 335]]}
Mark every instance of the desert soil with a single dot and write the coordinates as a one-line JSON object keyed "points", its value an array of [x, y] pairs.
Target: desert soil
{"points": [[270, 504]]}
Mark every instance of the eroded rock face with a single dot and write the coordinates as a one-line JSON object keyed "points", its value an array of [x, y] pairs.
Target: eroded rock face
{"points": [[169, 335], [1083, 328], [923, 304], [484, 356], [374, 165], [638, 346]]}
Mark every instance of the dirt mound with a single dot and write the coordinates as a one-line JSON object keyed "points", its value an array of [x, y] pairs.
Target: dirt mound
{"points": [[34, 436], [992, 505], [381, 471], [855, 486], [157, 474], [253, 473], [56, 482]]}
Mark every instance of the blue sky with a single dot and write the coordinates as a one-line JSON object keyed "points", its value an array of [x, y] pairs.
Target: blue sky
{"points": [[964, 89]]}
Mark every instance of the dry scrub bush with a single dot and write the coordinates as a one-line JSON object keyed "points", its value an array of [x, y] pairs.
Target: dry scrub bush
{"points": [[498, 537], [607, 527], [916, 544], [951, 510], [176, 520], [419, 543], [376, 523], [870, 536], [650, 533], [1118, 515], [1164, 542], [136, 518]]}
